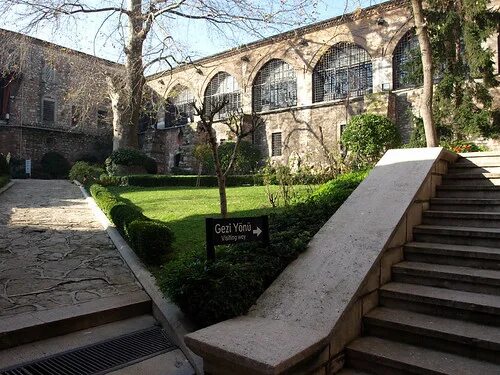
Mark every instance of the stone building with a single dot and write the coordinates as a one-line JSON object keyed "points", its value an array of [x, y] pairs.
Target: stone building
{"points": [[52, 99], [305, 84]]}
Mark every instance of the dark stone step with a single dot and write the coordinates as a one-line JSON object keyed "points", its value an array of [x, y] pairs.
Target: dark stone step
{"points": [[450, 277], [391, 357], [476, 307], [462, 218], [457, 255], [455, 336], [489, 237], [471, 192]]}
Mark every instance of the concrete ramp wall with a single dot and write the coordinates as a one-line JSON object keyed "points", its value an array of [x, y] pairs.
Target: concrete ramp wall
{"points": [[304, 319]]}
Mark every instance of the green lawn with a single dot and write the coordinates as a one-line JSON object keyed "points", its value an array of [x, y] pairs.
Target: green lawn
{"points": [[185, 209]]}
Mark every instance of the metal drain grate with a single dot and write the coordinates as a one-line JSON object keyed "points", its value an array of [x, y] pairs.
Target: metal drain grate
{"points": [[99, 358]]}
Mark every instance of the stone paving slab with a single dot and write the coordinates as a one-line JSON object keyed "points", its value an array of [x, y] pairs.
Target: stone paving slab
{"points": [[53, 252]]}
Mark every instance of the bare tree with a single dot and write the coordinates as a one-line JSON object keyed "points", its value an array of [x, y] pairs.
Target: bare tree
{"points": [[146, 23], [426, 53], [239, 127]]}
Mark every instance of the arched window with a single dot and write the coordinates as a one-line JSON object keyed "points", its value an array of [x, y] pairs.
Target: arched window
{"points": [[345, 70], [275, 86], [179, 108], [406, 68], [223, 87]]}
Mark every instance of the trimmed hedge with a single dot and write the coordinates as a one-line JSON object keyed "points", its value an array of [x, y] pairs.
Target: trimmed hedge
{"points": [[4, 180], [210, 292], [130, 157], [85, 173], [151, 240], [205, 181]]}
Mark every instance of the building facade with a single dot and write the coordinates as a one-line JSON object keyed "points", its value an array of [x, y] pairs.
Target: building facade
{"points": [[305, 84], [52, 99]]}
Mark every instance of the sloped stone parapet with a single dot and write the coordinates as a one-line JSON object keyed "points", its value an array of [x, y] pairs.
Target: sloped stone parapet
{"points": [[303, 321]]}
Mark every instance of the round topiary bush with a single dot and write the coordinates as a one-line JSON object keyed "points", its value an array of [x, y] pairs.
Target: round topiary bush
{"points": [[130, 161], [85, 173], [368, 136], [54, 165]]}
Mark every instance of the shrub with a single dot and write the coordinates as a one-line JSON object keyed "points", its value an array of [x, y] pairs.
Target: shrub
{"points": [[368, 136], [4, 165], [151, 240], [247, 159], [463, 146], [4, 180], [107, 180], [130, 158], [209, 292], [150, 165], [54, 165], [85, 173], [123, 214]]}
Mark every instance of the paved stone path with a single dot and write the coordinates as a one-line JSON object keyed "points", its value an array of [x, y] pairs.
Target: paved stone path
{"points": [[53, 252]]}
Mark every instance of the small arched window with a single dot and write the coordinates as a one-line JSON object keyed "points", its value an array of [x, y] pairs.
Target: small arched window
{"points": [[223, 87], [275, 86], [344, 70], [406, 68], [179, 108]]}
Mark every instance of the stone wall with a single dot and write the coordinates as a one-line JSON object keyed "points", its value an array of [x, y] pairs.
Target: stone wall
{"points": [[377, 30], [33, 143], [74, 82]]}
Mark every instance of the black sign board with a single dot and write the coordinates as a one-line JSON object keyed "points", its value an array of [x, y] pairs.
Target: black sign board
{"points": [[235, 230]]}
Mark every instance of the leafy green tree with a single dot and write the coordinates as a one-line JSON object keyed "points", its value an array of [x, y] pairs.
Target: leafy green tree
{"points": [[368, 136], [462, 102]]}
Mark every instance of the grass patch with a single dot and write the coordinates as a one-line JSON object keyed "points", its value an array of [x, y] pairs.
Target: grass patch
{"points": [[184, 209]]}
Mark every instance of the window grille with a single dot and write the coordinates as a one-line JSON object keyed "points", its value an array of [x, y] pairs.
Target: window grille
{"points": [[48, 112], [274, 87], [179, 108], [223, 87], [276, 145], [345, 70], [404, 63]]}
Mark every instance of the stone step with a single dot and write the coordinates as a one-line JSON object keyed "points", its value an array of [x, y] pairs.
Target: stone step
{"points": [[382, 356], [478, 155], [455, 255], [89, 336], [28, 327], [475, 179], [462, 218], [476, 307], [491, 161], [489, 237], [455, 336], [465, 204], [350, 371], [481, 192], [446, 276], [471, 168]]}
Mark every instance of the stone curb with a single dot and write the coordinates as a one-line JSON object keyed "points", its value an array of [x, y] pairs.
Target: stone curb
{"points": [[6, 187], [169, 315]]}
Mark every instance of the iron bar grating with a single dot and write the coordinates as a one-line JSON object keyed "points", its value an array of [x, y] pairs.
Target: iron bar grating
{"points": [[99, 358]]}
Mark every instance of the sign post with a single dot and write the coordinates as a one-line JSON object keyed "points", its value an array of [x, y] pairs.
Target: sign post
{"points": [[234, 231]]}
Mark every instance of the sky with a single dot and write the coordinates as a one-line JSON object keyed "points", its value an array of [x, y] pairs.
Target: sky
{"points": [[192, 38]]}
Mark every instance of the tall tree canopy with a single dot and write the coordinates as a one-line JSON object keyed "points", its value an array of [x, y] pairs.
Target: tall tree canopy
{"points": [[145, 32], [464, 67]]}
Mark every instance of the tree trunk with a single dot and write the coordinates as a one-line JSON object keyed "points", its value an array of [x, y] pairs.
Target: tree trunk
{"points": [[126, 98], [221, 178], [426, 52]]}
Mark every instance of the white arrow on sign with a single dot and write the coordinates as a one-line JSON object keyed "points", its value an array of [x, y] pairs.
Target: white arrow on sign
{"points": [[257, 231]]}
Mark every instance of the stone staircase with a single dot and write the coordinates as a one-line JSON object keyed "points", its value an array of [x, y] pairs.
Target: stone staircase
{"points": [[440, 314]]}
